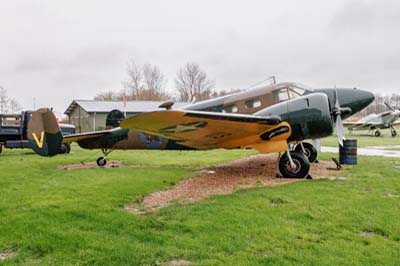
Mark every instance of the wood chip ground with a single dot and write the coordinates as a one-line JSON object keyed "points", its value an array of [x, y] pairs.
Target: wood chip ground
{"points": [[254, 171]]}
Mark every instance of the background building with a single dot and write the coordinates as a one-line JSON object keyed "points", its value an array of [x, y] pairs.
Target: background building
{"points": [[90, 115]]}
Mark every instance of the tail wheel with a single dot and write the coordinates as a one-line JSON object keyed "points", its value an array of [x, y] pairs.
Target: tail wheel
{"points": [[101, 161], [377, 133], [309, 150], [301, 165], [65, 148]]}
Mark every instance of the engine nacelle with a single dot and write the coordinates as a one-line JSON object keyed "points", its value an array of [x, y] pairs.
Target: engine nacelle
{"points": [[309, 116]]}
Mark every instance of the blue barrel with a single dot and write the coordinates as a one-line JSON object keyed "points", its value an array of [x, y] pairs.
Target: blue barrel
{"points": [[348, 153]]}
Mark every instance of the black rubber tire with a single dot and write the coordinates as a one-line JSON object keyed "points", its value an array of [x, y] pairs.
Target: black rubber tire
{"points": [[68, 147], [394, 133], [101, 161], [377, 134], [310, 151], [1, 148], [302, 165], [65, 148]]}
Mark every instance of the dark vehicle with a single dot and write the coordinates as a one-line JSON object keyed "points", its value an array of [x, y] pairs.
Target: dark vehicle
{"points": [[14, 130]]}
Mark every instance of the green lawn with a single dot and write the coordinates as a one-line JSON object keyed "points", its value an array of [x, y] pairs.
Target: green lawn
{"points": [[58, 217], [363, 140]]}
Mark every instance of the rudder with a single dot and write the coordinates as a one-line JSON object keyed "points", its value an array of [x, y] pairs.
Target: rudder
{"points": [[44, 134]]}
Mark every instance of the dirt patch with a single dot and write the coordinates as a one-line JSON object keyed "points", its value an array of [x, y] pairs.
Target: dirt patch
{"points": [[179, 262], [7, 255], [90, 165], [254, 171], [367, 234]]}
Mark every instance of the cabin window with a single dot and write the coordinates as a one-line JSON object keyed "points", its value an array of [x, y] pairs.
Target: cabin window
{"points": [[231, 109], [252, 103], [256, 103]]}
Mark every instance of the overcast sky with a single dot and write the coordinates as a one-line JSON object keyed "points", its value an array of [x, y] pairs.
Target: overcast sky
{"points": [[57, 51]]}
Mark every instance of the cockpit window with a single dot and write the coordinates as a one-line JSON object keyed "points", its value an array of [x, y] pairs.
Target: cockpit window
{"points": [[287, 93], [297, 90], [252, 103], [281, 95]]}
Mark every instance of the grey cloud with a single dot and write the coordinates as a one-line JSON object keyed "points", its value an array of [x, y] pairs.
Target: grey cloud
{"points": [[69, 49], [366, 16], [96, 57]]}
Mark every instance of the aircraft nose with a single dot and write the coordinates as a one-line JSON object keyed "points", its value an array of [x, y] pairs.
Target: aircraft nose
{"points": [[365, 98], [355, 99]]}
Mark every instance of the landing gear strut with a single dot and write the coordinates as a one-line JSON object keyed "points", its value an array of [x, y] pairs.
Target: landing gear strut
{"points": [[102, 161], [308, 150], [393, 131], [294, 165]]}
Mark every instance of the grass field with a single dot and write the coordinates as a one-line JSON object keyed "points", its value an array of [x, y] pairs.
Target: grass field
{"points": [[363, 139], [58, 217]]}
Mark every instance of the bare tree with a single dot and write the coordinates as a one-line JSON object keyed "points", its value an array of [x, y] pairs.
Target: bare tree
{"points": [[154, 82], [14, 106], [107, 96], [193, 83], [3, 100], [145, 82], [8, 105], [134, 83]]}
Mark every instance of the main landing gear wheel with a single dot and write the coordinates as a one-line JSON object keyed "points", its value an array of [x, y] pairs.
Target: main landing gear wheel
{"points": [[300, 167], [377, 133], [101, 161], [1, 148], [309, 150], [394, 133]]}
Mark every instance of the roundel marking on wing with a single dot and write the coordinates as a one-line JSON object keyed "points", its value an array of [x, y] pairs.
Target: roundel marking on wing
{"points": [[151, 141], [180, 128]]}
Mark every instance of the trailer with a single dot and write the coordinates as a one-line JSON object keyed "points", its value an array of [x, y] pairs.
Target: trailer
{"points": [[14, 131]]}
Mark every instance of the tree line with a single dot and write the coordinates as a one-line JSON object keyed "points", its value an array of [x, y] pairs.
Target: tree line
{"points": [[8, 105], [147, 82], [379, 106]]}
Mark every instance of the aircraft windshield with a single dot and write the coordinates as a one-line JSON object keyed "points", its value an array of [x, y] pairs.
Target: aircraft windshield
{"points": [[297, 90], [288, 93]]}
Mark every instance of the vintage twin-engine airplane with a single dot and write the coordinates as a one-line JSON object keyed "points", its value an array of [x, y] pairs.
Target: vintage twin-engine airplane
{"points": [[375, 122], [267, 119]]}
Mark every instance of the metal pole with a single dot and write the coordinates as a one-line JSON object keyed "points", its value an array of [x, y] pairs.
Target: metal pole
{"points": [[94, 121], [1, 101]]}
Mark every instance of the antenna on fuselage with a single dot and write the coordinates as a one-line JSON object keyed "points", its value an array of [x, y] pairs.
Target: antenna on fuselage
{"points": [[272, 78]]}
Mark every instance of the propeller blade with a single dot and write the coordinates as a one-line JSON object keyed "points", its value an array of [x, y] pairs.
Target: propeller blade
{"points": [[337, 104], [339, 129], [390, 107]]}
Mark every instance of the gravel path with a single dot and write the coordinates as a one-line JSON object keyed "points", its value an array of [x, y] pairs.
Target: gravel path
{"points": [[254, 171]]}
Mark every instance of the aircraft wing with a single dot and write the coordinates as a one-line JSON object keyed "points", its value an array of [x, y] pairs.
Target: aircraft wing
{"points": [[356, 125], [87, 135], [208, 130], [98, 139], [395, 123]]}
